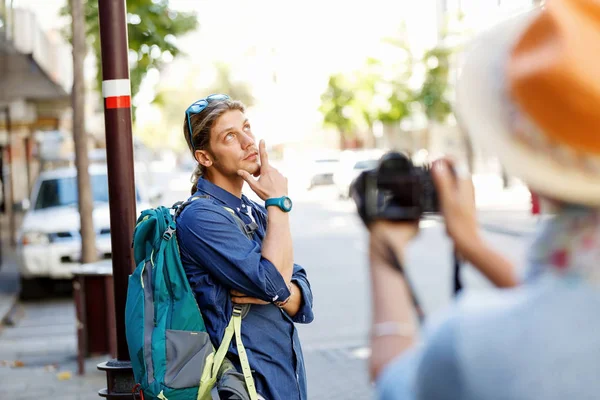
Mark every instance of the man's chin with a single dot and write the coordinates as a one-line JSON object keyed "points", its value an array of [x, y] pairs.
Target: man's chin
{"points": [[253, 169]]}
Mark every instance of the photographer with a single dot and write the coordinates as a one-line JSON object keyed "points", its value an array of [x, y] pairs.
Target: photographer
{"points": [[529, 93]]}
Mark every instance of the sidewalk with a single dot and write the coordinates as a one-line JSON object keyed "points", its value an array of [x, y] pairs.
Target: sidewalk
{"points": [[9, 280]]}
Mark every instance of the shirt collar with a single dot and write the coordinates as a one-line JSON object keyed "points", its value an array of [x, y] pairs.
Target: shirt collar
{"points": [[568, 245], [221, 194]]}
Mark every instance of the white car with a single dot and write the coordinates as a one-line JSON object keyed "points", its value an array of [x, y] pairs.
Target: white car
{"points": [[320, 172], [351, 164], [49, 241]]}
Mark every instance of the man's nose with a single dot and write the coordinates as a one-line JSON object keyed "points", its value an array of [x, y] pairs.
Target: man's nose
{"points": [[247, 140]]}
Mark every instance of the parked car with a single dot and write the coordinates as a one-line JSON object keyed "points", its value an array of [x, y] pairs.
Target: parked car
{"points": [[49, 241], [351, 164], [320, 172]]}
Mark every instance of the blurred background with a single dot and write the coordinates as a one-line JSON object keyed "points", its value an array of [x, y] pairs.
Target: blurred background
{"points": [[330, 85]]}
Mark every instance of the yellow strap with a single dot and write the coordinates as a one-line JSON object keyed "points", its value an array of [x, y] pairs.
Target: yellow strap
{"points": [[235, 326], [230, 210], [223, 348]]}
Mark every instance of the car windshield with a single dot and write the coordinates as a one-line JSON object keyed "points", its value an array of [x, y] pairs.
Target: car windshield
{"points": [[63, 191], [366, 164]]}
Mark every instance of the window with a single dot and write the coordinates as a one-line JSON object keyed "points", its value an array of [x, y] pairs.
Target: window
{"points": [[63, 191]]}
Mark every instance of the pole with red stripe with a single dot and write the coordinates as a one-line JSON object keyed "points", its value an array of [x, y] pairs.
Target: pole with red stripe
{"points": [[116, 91]]}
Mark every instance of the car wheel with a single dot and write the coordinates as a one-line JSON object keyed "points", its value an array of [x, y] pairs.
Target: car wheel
{"points": [[33, 289]]}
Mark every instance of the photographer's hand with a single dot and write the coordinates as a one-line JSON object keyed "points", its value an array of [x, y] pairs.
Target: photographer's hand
{"points": [[457, 202]]}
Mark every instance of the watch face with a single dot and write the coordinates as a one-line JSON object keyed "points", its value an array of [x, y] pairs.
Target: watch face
{"points": [[287, 203]]}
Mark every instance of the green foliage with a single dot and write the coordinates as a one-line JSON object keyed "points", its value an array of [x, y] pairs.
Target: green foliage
{"points": [[377, 92], [173, 101], [336, 105], [398, 105], [224, 83], [433, 93], [152, 31]]}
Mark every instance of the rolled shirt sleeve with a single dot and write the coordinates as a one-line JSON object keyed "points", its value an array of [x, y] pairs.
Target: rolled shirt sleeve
{"points": [[209, 237], [305, 314]]}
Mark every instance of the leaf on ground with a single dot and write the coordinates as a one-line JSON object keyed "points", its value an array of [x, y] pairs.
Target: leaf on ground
{"points": [[64, 376]]}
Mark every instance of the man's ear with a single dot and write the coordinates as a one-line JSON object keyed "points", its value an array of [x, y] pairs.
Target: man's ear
{"points": [[203, 158]]}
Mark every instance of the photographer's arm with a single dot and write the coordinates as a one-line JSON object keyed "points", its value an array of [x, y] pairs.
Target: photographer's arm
{"points": [[391, 298], [493, 265], [457, 200]]}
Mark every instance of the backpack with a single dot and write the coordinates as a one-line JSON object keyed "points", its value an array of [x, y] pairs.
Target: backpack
{"points": [[170, 350]]}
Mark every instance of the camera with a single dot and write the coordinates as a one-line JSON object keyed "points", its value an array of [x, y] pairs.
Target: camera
{"points": [[395, 190]]}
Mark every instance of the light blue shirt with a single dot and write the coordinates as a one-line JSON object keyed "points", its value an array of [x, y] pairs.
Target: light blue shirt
{"points": [[538, 341]]}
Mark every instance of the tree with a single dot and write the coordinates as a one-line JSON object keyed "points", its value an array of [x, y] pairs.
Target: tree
{"points": [[173, 101], [381, 90], [433, 95], [336, 107], [84, 187], [152, 31], [224, 83], [365, 96]]}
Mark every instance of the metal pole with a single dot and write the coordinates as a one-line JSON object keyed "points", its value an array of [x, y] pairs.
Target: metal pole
{"points": [[12, 222], [119, 152]]}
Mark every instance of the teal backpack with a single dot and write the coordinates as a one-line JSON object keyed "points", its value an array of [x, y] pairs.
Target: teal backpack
{"points": [[171, 352]]}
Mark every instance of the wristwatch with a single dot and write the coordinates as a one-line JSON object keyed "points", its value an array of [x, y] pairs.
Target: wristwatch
{"points": [[283, 202]]}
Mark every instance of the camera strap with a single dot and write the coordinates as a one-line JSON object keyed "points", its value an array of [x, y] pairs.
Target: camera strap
{"points": [[392, 259], [457, 260]]}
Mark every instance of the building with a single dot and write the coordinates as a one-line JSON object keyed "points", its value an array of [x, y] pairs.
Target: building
{"points": [[35, 81]]}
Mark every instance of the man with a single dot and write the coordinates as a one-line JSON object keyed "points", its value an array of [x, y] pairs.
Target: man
{"points": [[225, 267]]}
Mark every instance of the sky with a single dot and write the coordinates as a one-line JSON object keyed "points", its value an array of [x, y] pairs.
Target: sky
{"points": [[303, 42]]}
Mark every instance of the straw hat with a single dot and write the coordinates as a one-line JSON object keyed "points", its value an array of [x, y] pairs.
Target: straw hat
{"points": [[530, 93]]}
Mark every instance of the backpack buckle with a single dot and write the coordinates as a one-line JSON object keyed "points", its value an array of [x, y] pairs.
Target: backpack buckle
{"points": [[250, 228], [169, 233]]}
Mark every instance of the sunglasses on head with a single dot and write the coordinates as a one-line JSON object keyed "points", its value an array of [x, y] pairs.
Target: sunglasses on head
{"points": [[200, 105]]}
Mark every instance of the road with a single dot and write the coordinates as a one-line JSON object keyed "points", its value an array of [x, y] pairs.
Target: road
{"points": [[329, 241]]}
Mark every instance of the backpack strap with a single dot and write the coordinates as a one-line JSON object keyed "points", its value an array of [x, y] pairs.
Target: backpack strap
{"points": [[235, 327], [248, 229], [181, 205], [239, 311]]}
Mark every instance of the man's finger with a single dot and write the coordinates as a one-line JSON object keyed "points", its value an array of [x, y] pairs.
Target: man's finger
{"points": [[248, 178], [237, 293], [264, 157]]}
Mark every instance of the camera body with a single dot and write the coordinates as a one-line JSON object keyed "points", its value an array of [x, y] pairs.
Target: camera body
{"points": [[396, 190]]}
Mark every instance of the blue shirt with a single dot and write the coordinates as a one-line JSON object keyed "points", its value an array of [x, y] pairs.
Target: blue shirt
{"points": [[536, 341], [217, 257]]}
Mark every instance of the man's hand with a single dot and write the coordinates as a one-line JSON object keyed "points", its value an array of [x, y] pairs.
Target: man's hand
{"points": [[241, 298], [271, 182]]}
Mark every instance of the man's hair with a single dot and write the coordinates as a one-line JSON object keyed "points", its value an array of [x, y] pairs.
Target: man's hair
{"points": [[202, 124]]}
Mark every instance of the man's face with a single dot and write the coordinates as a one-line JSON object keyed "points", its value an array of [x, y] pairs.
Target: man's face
{"points": [[232, 145]]}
